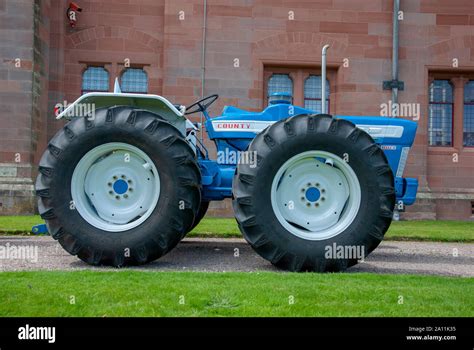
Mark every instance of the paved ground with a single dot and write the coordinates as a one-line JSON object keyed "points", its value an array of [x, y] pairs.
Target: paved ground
{"points": [[448, 259]]}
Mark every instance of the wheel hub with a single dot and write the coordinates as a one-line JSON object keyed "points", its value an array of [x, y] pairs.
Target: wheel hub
{"points": [[120, 186], [315, 195], [312, 194], [115, 186]]}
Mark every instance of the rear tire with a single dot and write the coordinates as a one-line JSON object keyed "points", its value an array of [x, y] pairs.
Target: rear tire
{"points": [[115, 242], [350, 171], [200, 215]]}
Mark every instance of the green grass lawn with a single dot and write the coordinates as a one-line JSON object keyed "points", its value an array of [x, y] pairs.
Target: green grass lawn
{"points": [[139, 293], [19, 224], [447, 231]]}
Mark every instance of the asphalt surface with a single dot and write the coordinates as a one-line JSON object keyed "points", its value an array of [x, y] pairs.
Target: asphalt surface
{"points": [[219, 255]]}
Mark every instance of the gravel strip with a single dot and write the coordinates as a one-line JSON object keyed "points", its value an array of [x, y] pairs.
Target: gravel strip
{"points": [[234, 254]]}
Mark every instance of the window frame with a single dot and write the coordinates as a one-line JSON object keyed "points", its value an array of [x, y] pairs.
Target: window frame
{"points": [[317, 99], [84, 72], [458, 78], [451, 144], [138, 68], [289, 77], [470, 80], [299, 74]]}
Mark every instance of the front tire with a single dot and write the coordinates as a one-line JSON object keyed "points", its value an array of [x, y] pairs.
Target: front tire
{"points": [[321, 197], [120, 189]]}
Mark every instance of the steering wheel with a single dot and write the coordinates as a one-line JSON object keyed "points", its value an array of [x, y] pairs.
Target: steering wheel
{"points": [[201, 105]]}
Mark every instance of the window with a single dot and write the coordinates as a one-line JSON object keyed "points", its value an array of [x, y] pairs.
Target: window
{"points": [[468, 128], [440, 113], [280, 83], [303, 83], [95, 79], [134, 80], [312, 93]]}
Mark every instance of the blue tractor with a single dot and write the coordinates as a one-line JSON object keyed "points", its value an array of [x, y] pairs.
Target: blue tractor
{"points": [[127, 177]]}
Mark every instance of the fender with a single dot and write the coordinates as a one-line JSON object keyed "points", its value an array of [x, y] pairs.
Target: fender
{"points": [[91, 101]]}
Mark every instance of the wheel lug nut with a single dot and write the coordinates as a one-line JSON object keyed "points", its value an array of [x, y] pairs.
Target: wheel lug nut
{"points": [[309, 184], [316, 204], [130, 189], [115, 177], [111, 192], [117, 197], [323, 190], [129, 181], [317, 184], [323, 199], [109, 184], [308, 204], [123, 176], [125, 196]]}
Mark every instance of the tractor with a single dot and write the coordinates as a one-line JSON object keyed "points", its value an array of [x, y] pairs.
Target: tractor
{"points": [[125, 183]]}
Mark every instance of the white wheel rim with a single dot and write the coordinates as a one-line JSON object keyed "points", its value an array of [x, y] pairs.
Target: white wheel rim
{"points": [[115, 187], [315, 195]]}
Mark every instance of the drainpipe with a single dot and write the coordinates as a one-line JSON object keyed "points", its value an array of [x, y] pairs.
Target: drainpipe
{"points": [[323, 79], [203, 62], [395, 85], [203, 51], [396, 9]]}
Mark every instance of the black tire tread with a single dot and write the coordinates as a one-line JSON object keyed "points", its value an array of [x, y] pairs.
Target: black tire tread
{"points": [[245, 184], [189, 180]]}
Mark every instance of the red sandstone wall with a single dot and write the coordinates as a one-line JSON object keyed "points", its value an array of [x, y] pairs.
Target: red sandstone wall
{"points": [[258, 33]]}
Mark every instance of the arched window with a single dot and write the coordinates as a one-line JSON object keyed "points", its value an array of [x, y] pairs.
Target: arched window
{"points": [[312, 93], [280, 83], [468, 129], [95, 79], [134, 80], [440, 117]]}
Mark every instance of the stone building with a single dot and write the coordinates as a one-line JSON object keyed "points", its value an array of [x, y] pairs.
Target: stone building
{"points": [[251, 47]]}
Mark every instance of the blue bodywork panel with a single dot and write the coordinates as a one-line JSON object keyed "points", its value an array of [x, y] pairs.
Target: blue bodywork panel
{"points": [[39, 229], [236, 128]]}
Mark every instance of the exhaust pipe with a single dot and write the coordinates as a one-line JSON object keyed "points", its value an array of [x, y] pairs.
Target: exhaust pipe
{"points": [[323, 79]]}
